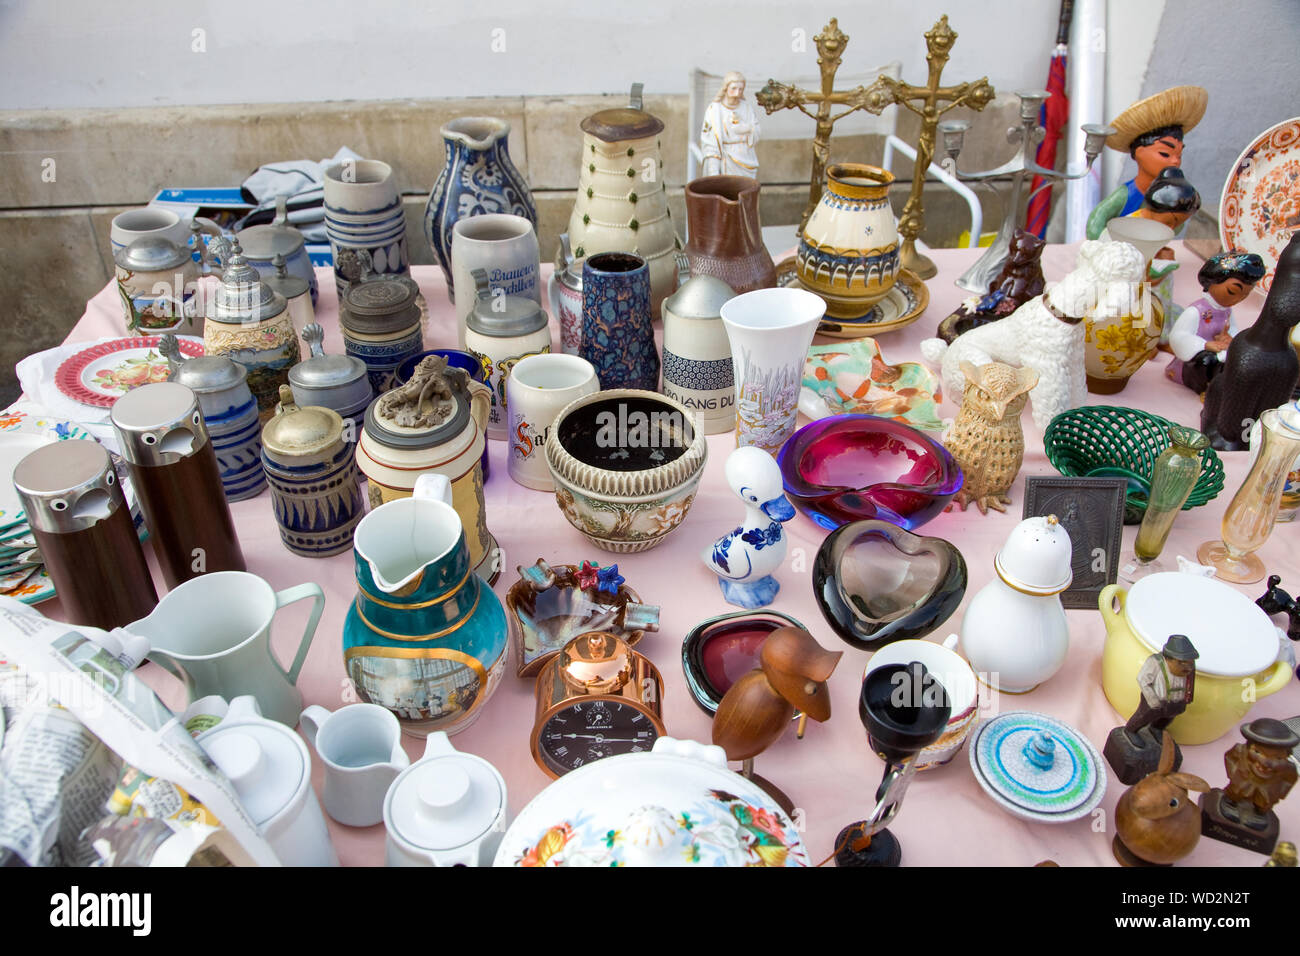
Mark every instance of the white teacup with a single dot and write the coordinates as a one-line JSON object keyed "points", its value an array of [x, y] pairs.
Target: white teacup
{"points": [[538, 387], [361, 748], [958, 680], [151, 221]]}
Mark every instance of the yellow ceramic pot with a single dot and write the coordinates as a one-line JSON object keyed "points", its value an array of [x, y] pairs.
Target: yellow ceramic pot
{"points": [[848, 252], [1236, 641]]}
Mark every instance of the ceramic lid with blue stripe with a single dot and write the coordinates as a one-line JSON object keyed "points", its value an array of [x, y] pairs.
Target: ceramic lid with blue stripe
{"points": [[1037, 768]]}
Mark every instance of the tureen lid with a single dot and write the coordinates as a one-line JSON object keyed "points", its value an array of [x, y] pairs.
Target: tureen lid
{"points": [[289, 286], [503, 316], [296, 431], [263, 242], [151, 254], [446, 800], [1233, 636], [242, 296], [699, 297], [1036, 557], [1037, 768], [265, 761], [321, 370], [629, 810]]}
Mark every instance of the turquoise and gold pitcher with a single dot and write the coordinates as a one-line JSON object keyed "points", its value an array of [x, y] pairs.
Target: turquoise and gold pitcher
{"points": [[425, 637]]}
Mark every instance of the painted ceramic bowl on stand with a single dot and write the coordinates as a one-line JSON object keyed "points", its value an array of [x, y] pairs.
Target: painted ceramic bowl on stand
{"points": [[856, 467], [718, 652], [952, 671], [876, 583], [677, 805], [626, 465]]}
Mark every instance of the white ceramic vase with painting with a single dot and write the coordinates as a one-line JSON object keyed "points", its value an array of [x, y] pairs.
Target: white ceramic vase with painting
{"points": [[770, 331]]}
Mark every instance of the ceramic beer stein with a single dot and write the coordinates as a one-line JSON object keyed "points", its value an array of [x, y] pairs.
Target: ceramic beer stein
{"points": [[380, 319], [250, 323], [361, 748], [296, 291], [617, 326], [406, 435], [230, 413], [213, 633], [155, 222], [340, 382], [364, 214], [697, 354], [501, 330], [505, 247], [312, 471], [538, 387], [157, 280], [261, 245], [425, 637], [564, 290]]}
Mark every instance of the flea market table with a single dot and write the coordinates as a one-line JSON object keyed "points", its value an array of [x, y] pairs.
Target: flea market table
{"points": [[831, 774]]}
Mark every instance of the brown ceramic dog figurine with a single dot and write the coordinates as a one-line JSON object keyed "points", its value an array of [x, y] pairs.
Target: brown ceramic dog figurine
{"points": [[1157, 823], [791, 675]]}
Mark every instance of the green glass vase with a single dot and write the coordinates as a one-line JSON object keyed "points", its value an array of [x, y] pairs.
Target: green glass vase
{"points": [[1172, 479]]}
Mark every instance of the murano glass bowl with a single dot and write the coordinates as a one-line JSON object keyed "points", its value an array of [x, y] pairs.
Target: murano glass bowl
{"points": [[876, 583], [718, 652], [857, 467]]}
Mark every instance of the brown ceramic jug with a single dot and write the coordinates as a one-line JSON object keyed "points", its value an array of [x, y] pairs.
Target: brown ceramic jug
{"points": [[726, 238]]}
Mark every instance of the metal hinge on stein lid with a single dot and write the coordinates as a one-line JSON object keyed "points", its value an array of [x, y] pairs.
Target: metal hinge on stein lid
{"points": [[314, 335], [683, 268], [634, 99], [482, 287]]}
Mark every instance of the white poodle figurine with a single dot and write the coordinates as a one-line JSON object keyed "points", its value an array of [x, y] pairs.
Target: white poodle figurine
{"points": [[1047, 332]]}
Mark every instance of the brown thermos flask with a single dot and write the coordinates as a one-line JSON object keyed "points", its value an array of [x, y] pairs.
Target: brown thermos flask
{"points": [[174, 472], [83, 527]]}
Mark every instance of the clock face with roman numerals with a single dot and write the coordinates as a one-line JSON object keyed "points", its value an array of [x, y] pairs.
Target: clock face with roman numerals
{"points": [[588, 730]]}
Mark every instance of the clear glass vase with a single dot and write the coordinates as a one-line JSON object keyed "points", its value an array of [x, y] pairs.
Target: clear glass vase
{"points": [[1250, 517], [1174, 476]]}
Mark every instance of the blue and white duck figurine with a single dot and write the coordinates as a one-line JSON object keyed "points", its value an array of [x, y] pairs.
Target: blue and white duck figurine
{"points": [[745, 558]]}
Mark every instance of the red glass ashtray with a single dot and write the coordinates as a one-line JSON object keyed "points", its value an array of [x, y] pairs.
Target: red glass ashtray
{"points": [[858, 467], [718, 652]]}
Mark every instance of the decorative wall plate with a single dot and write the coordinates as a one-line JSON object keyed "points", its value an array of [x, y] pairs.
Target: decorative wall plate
{"points": [[101, 374], [1261, 199]]}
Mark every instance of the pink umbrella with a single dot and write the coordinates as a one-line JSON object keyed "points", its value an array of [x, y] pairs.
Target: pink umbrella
{"points": [[1052, 116]]}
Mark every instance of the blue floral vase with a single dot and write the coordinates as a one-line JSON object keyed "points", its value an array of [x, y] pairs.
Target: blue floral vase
{"points": [[478, 178], [617, 325]]}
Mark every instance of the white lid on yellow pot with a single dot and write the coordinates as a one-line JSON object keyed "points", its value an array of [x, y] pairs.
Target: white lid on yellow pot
{"points": [[1233, 637]]}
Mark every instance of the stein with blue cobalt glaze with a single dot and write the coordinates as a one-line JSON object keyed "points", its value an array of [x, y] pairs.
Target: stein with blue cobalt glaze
{"points": [[425, 637]]}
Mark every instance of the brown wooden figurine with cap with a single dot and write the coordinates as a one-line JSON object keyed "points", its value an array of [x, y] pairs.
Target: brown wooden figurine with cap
{"points": [[1260, 774]]}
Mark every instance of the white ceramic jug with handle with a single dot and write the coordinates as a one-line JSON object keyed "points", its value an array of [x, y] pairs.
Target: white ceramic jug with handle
{"points": [[361, 748]]}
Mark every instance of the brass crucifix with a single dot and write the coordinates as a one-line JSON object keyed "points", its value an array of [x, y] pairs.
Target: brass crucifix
{"points": [[781, 96]]}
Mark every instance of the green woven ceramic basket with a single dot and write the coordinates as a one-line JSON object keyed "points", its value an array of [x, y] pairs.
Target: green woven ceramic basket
{"points": [[1106, 440]]}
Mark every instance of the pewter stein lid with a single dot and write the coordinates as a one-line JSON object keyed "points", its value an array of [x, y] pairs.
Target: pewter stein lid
{"points": [[242, 297], [151, 254], [158, 424], [432, 407], [297, 432], [263, 242], [699, 297], [289, 286], [502, 316], [321, 370], [379, 304], [568, 269], [67, 486], [624, 122], [208, 373]]}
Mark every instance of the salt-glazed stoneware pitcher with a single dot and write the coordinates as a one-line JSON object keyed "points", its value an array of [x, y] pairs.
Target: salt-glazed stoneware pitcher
{"points": [[425, 637]]}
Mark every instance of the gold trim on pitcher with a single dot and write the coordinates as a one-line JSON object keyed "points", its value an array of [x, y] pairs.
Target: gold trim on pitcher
{"points": [[419, 637], [434, 602], [414, 653]]}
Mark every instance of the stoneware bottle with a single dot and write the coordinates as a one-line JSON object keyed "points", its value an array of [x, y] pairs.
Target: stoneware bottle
{"points": [[478, 177], [725, 235], [617, 325], [697, 354]]}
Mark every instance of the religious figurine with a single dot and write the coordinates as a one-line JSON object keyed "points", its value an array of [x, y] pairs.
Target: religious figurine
{"points": [[1151, 131], [1156, 822], [1200, 336], [791, 676], [1260, 774], [745, 558], [1276, 601], [730, 132], [986, 438], [1167, 680], [1261, 368]]}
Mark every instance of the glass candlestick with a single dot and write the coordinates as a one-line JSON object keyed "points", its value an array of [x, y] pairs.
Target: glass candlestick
{"points": [[1172, 479], [1250, 517]]}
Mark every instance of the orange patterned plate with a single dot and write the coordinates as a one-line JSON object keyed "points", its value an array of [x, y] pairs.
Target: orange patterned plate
{"points": [[1260, 208]]}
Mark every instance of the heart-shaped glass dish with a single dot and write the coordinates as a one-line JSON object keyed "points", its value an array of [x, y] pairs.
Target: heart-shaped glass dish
{"points": [[876, 583], [855, 467]]}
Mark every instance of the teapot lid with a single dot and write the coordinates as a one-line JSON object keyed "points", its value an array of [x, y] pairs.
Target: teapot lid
{"points": [[265, 761], [699, 297], [295, 432], [1036, 557], [503, 316], [411, 417], [445, 800], [242, 296], [151, 254]]}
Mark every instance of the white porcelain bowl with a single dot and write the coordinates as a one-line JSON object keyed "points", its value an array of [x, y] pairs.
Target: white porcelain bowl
{"points": [[958, 680]]}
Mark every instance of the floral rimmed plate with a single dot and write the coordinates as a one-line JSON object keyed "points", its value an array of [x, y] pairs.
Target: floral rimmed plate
{"points": [[1261, 199], [101, 374]]}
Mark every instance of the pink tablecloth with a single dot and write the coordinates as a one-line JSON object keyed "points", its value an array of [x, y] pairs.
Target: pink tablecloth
{"points": [[831, 774]]}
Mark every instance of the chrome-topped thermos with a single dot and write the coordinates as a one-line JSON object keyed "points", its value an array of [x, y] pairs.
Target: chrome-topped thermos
{"points": [[82, 525], [174, 472]]}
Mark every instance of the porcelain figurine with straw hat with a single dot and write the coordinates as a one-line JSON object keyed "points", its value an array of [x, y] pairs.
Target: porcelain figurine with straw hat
{"points": [[1151, 131]]}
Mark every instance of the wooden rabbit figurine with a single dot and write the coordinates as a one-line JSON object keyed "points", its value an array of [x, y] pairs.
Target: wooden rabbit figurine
{"points": [[1157, 823], [986, 439]]}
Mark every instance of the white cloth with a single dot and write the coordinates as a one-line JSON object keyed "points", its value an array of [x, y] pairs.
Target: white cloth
{"points": [[1183, 340], [727, 140]]}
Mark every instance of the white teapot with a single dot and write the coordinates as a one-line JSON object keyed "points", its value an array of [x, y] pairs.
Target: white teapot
{"points": [[1014, 633]]}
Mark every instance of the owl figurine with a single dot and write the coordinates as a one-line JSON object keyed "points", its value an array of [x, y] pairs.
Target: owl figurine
{"points": [[986, 438]]}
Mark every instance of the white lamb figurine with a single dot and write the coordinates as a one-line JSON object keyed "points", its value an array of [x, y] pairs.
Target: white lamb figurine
{"points": [[1046, 333]]}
